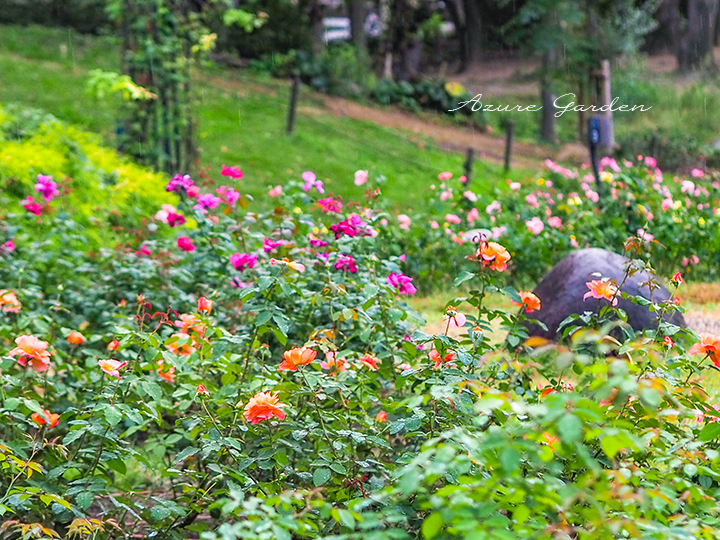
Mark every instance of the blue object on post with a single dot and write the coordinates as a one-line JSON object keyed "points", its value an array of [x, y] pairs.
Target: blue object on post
{"points": [[593, 141]]}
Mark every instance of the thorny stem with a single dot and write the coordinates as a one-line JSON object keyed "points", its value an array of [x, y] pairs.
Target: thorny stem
{"points": [[320, 416]]}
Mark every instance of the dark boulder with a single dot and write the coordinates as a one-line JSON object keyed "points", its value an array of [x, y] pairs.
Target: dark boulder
{"points": [[561, 292]]}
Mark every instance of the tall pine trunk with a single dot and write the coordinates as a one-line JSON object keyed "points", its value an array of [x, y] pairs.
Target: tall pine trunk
{"points": [[473, 31], [696, 43]]}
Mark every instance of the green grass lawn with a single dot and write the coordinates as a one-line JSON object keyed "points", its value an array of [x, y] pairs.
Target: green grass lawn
{"points": [[241, 121]]}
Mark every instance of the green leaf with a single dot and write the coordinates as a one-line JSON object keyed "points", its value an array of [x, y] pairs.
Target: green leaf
{"points": [[397, 426], [343, 517], [11, 403], [117, 465], [73, 436], [320, 476], [186, 453], [378, 441], [84, 499], [521, 513], [281, 337], [612, 444], [432, 525], [113, 415], [710, 432], [569, 427], [338, 468], [159, 513], [512, 294], [463, 277], [650, 398], [409, 482], [152, 389], [510, 459], [283, 324]]}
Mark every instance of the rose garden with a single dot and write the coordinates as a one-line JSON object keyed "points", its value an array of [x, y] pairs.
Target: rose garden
{"points": [[216, 351]]}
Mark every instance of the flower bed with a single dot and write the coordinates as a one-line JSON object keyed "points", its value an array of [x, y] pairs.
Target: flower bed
{"points": [[677, 219], [232, 374]]}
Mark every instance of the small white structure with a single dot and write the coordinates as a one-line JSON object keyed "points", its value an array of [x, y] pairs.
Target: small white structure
{"points": [[336, 29]]}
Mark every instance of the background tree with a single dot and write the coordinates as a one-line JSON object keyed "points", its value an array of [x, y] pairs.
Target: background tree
{"points": [[697, 37], [160, 42], [573, 36]]}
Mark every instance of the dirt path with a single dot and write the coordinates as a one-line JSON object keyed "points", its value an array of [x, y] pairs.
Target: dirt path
{"points": [[456, 139]]}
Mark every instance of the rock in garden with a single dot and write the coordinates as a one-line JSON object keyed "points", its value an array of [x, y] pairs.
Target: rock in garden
{"points": [[561, 292]]}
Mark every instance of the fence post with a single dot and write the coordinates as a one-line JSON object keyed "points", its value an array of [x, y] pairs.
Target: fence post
{"points": [[293, 104], [508, 144], [469, 158]]}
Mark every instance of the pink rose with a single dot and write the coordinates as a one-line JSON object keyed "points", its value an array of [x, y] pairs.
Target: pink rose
{"points": [[185, 244], [452, 218], [360, 177], [535, 225]]}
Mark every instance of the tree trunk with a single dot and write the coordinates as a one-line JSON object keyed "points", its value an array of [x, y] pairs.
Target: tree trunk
{"points": [[473, 32], [385, 20], [696, 43], [401, 21], [357, 19], [457, 14], [315, 15], [548, 121], [666, 36]]}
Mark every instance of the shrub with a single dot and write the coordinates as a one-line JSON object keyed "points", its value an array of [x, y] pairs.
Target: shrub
{"points": [[257, 375], [33, 143]]}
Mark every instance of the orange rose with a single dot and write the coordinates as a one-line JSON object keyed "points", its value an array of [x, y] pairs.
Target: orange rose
{"points": [[264, 406], [76, 338], [9, 302], [709, 344], [297, 357], [369, 361], [550, 440], [332, 363], [530, 301], [113, 345], [381, 416], [435, 357], [202, 390], [51, 420], [32, 350], [602, 289], [190, 322], [493, 255], [204, 304], [112, 367], [168, 375], [182, 350]]}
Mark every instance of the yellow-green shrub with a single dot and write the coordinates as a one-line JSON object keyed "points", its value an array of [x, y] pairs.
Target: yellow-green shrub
{"points": [[99, 179]]}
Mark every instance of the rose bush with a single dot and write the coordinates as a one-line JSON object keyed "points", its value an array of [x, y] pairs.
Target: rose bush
{"points": [[677, 218], [232, 374]]}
